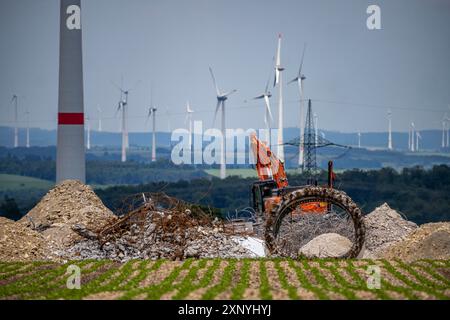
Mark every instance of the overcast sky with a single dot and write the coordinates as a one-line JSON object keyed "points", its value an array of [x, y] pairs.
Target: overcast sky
{"points": [[353, 74]]}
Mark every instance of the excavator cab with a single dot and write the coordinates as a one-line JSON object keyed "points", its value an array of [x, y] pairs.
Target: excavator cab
{"points": [[261, 191]]}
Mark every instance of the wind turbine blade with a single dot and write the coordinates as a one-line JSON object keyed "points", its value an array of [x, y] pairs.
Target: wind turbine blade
{"points": [[117, 110], [277, 77], [258, 97], [279, 51], [214, 81], [301, 63], [293, 80], [267, 84], [229, 93], [266, 99], [217, 110]]}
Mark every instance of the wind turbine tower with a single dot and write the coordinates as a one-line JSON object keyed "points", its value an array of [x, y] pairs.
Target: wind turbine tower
{"points": [[99, 112], [359, 139], [279, 81], [221, 98], [418, 137], [14, 100], [122, 107], [268, 119], [390, 130], [152, 113], [70, 155], [300, 79], [189, 113], [412, 137]]}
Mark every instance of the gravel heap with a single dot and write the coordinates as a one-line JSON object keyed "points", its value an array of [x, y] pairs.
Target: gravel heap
{"points": [[19, 243], [384, 227], [66, 205], [430, 241], [154, 234]]}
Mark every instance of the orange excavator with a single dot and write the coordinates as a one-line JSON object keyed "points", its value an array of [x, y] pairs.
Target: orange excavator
{"points": [[274, 200], [273, 181]]}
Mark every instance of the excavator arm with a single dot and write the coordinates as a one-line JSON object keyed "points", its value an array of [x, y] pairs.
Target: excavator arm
{"points": [[268, 166]]}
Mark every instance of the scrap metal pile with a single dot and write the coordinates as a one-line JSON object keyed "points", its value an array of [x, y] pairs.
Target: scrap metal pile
{"points": [[162, 227]]}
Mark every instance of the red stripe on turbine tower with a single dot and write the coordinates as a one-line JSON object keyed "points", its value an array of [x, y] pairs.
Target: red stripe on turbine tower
{"points": [[65, 118]]}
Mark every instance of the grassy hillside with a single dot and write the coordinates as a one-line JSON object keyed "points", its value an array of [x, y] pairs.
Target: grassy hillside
{"points": [[16, 182], [228, 279]]}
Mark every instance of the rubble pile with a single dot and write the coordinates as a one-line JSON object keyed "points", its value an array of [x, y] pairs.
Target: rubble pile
{"points": [[430, 241], [384, 227], [19, 243], [153, 232], [66, 205]]}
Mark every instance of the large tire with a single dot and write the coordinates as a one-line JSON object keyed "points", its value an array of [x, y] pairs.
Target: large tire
{"points": [[307, 194]]}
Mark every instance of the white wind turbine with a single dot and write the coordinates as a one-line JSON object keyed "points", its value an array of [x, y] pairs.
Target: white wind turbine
{"points": [[300, 82], [418, 136], [412, 136], [123, 106], [27, 115], [359, 139], [221, 98], [389, 129], [278, 81], [268, 119], [189, 113], [14, 100], [152, 113], [99, 112]]}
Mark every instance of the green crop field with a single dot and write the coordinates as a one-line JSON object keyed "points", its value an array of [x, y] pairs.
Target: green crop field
{"points": [[228, 279], [16, 182]]}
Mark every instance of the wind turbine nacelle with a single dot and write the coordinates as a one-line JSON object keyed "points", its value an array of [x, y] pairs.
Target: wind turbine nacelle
{"points": [[222, 98]]}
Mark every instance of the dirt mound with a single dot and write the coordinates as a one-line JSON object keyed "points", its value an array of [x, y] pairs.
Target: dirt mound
{"points": [[161, 228], [384, 227], [69, 203], [327, 245], [430, 241], [19, 243]]}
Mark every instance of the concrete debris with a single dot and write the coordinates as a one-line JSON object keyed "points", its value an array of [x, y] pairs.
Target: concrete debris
{"points": [[384, 227], [19, 243], [253, 244], [430, 241], [70, 203], [327, 245], [174, 232]]}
